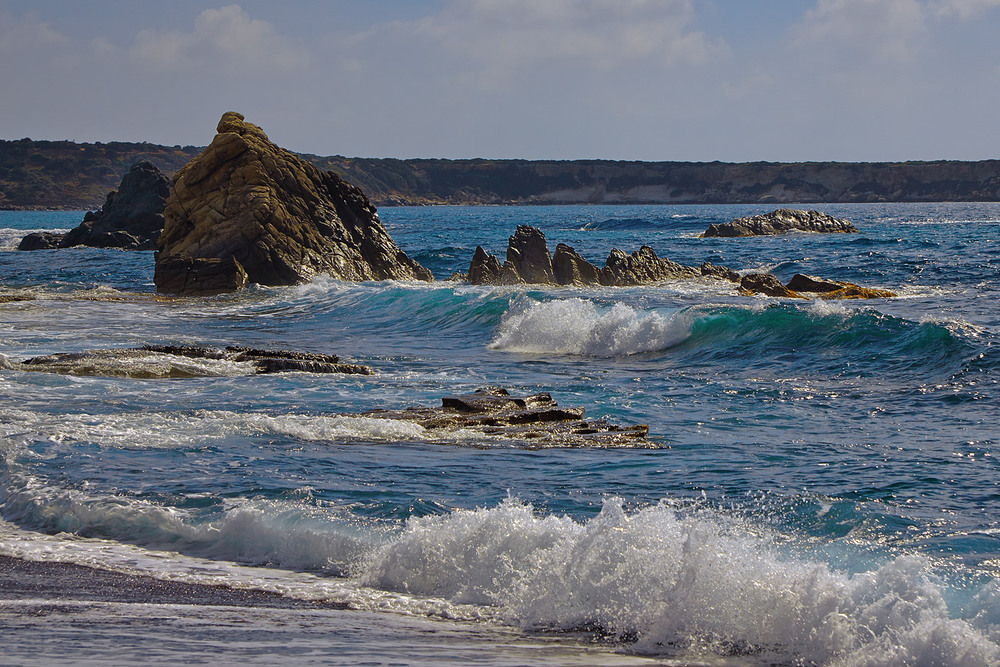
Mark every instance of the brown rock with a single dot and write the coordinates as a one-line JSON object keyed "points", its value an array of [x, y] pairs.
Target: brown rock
{"points": [[721, 272], [642, 267], [484, 268], [767, 284], [276, 215], [835, 289], [569, 268], [528, 255], [202, 276]]}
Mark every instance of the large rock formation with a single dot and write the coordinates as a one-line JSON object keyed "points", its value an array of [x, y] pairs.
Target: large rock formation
{"points": [[270, 214], [131, 218], [528, 262], [781, 221]]}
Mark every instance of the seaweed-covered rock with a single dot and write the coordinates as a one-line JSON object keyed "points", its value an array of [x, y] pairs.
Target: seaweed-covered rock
{"points": [[780, 221], [279, 217]]}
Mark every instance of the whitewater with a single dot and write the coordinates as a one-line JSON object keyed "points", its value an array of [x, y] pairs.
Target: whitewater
{"points": [[824, 488]]}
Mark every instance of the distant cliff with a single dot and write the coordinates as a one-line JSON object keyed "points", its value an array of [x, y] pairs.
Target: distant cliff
{"points": [[64, 174]]}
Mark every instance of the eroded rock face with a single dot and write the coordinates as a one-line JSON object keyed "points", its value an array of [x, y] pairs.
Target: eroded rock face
{"points": [[781, 221], [642, 267], [278, 217], [131, 218]]}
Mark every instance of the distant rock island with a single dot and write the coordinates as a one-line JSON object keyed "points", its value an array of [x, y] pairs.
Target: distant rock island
{"points": [[67, 175], [782, 221]]}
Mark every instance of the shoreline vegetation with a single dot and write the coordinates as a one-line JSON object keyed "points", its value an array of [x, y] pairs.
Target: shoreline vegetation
{"points": [[65, 175]]}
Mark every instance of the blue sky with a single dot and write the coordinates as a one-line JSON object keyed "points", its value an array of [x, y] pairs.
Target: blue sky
{"points": [[702, 80]]}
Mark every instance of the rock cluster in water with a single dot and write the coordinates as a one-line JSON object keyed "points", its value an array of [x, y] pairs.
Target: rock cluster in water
{"points": [[536, 420], [528, 262], [781, 221], [168, 361], [131, 218], [246, 210]]}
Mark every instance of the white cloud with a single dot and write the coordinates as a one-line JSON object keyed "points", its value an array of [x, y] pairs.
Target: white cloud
{"points": [[226, 37], [963, 9], [507, 35], [880, 29], [26, 34]]}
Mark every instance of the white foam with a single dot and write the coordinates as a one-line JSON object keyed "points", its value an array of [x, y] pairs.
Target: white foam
{"points": [[678, 582], [580, 327]]}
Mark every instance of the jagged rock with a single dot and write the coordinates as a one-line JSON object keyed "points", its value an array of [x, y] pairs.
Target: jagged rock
{"points": [[569, 268], [721, 272], [528, 256], [279, 217], [642, 267], [851, 291], [767, 284], [528, 262], [131, 218], [779, 222], [204, 277], [535, 421], [484, 269]]}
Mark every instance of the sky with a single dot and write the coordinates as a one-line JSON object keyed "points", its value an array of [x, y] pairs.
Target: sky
{"points": [[690, 80]]}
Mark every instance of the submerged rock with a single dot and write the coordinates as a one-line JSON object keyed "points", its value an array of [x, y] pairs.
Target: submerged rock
{"points": [[244, 199], [131, 218], [181, 361], [780, 221], [535, 421]]}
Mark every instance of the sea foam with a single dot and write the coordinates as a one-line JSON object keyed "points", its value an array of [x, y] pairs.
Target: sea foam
{"points": [[580, 327]]}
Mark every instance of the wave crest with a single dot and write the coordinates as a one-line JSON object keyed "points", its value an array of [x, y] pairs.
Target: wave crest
{"points": [[580, 327]]}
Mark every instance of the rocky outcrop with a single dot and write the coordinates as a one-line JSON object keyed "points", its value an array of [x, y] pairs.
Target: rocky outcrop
{"points": [[806, 287], [780, 221], [528, 262], [835, 289], [181, 361], [205, 277], [131, 218], [534, 421], [279, 218]]}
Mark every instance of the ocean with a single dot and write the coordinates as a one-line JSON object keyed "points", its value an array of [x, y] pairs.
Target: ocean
{"points": [[824, 490]]}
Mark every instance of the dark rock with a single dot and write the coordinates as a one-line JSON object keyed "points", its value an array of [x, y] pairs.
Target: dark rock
{"points": [[41, 241], [202, 276], [528, 255], [534, 421], [642, 267], [277, 216], [779, 222], [804, 283], [131, 218], [484, 268], [835, 289], [569, 268], [721, 272], [767, 284], [160, 361]]}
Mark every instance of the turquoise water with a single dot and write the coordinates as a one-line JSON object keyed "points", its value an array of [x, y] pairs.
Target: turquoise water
{"points": [[826, 491]]}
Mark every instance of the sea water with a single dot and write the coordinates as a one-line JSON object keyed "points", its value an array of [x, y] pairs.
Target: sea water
{"points": [[825, 488]]}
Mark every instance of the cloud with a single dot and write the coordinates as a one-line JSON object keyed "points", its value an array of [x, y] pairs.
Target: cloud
{"points": [[507, 36], [25, 34], [963, 9], [867, 29], [226, 37]]}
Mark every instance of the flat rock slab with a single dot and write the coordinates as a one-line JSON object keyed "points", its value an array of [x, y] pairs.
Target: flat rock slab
{"points": [[535, 421], [182, 361]]}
